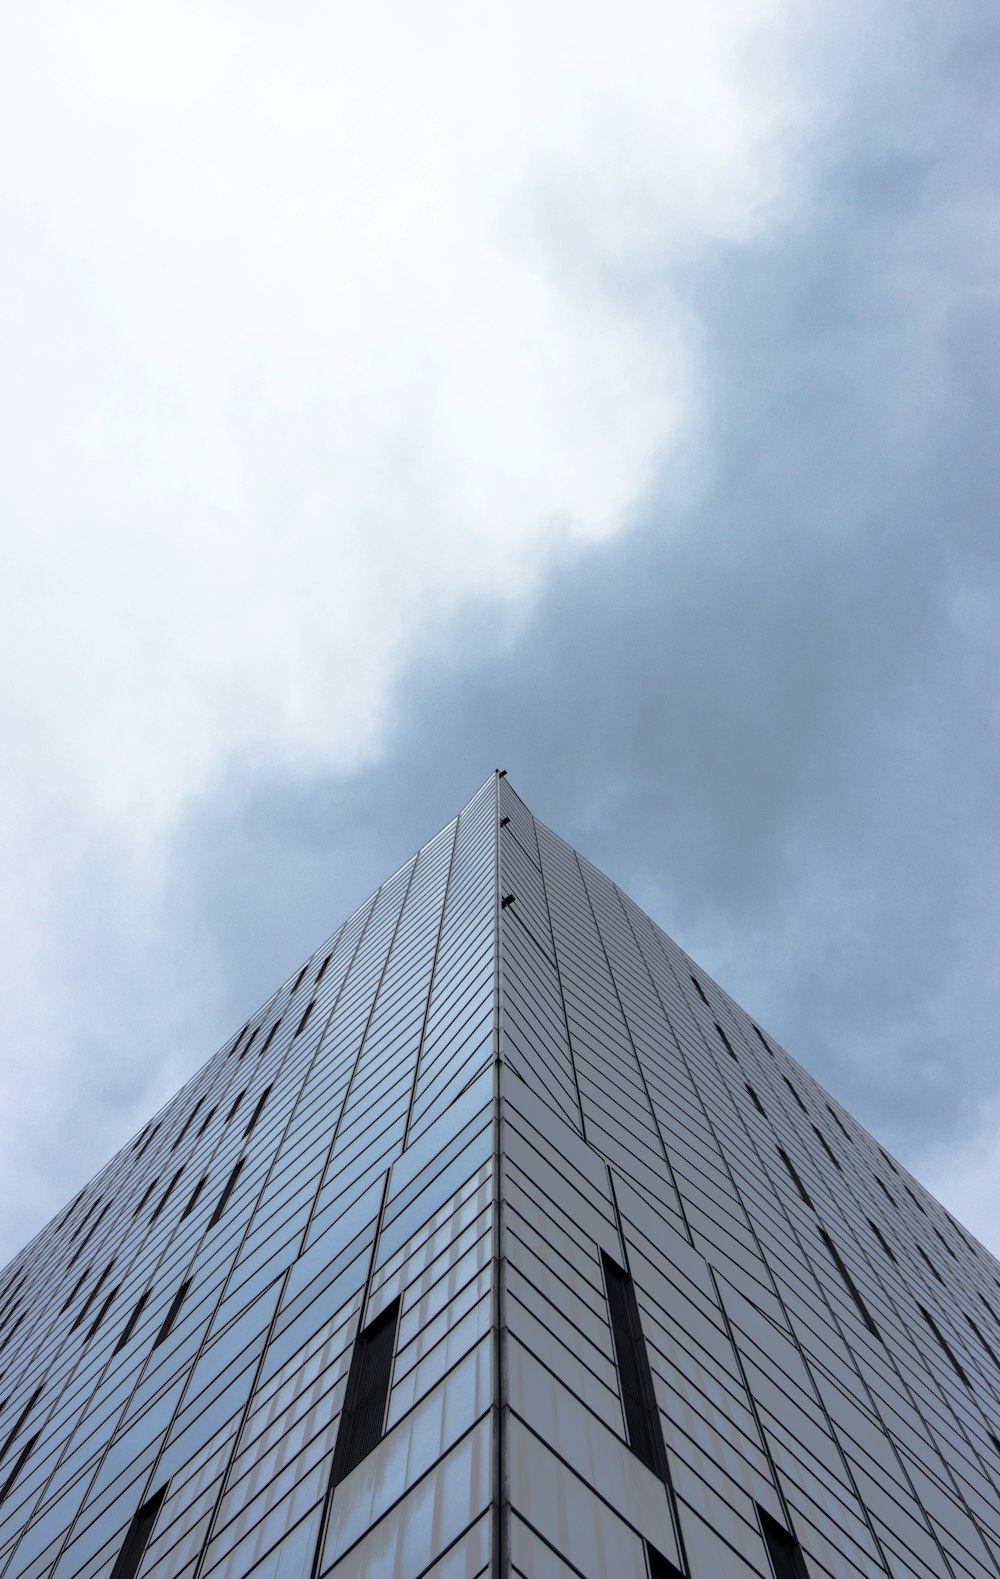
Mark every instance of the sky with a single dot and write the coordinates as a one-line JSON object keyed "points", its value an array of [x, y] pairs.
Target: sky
{"points": [[608, 393]]}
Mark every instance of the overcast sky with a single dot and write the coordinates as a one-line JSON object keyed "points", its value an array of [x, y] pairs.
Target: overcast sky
{"points": [[606, 392]]}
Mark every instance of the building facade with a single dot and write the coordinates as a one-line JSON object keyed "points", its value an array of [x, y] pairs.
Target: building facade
{"points": [[500, 1241]]}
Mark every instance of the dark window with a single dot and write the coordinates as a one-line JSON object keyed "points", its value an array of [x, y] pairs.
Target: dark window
{"points": [[272, 1033], [75, 1290], [795, 1094], [755, 1099], [164, 1198], [789, 1164], [826, 1147], [946, 1346], [147, 1141], [944, 1241], [137, 1539], [763, 1039], [129, 1327], [101, 1315], [223, 1200], [892, 1165], [880, 1236], [18, 1423], [727, 1044], [930, 1263], [206, 1121], [837, 1120], [967, 1242], [660, 1567], [885, 1191], [913, 1198], [252, 1038], [307, 1012], [188, 1121], [782, 1548], [172, 1313], [984, 1341], [233, 1110], [367, 1393], [192, 1203], [19, 1464], [258, 1110], [92, 1295], [322, 970], [996, 1441], [145, 1197], [298, 980], [849, 1284], [237, 1042], [642, 1418], [699, 989]]}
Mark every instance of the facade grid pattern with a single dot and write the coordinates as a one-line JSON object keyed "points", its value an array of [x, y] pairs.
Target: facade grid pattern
{"points": [[500, 1240]]}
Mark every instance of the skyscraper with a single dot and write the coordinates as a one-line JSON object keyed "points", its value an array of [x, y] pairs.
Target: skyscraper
{"points": [[500, 1241]]}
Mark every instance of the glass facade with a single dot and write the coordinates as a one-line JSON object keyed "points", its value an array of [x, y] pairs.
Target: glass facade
{"points": [[500, 1240]]}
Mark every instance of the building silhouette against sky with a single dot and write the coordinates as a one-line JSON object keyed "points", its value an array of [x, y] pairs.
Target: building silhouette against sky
{"points": [[500, 1241]]}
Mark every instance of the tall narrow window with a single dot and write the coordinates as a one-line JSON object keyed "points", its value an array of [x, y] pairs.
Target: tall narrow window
{"points": [[164, 1198], [984, 1341], [172, 1313], [913, 1198], [150, 1187], [660, 1567], [250, 1041], [880, 1236], [192, 1203], [137, 1539], [129, 1327], [885, 1191], [849, 1284], [727, 1044], [782, 1548], [298, 980], [763, 1039], [827, 1148], [101, 1314], [322, 970], [235, 1107], [642, 1418], [272, 1033], [930, 1264], [223, 1200], [699, 989], [837, 1120], [945, 1243], [188, 1121], [305, 1016], [789, 1164], [795, 1094], [19, 1464], [367, 1393], [755, 1099], [946, 1346], [206, 1121], [18, 1423], [258, 1110]]}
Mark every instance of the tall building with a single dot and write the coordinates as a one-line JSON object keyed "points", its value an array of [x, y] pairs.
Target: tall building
{"points": [[500, 1241]]}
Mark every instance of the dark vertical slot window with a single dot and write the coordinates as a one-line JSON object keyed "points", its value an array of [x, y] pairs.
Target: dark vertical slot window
{"points": [[192, 1203], [727, 1044], [660, 1567], [789, 1164], [891, 1165], [782, 1548], [795, 1094], [840, 1125], [930, 1264], [298, 980], [252, 1038], [272, 1033], [755, 1099], [763, 1039], [308, 1011], [188, 1122], [10, 1334], [886, 1192], [235, 1107], [642, 1418], [849, 1284], [917, 1203], [996, 1441], [18, 1423], [206, 1121], [322, 970], [967, 1242], [146, 1143], [984, 1341], [172, 1313], [71, 1296], [699, 989], [237, 1042], [101, 1314], [19, 1463], [826, 1147], [944, 1241], [150, 1187], [129, 1326], [258, 1110], [943, 1341], [92, 1296], [880, 1236], [137, 1538], [367, 1393], [223, 1200], [164, 1198]]}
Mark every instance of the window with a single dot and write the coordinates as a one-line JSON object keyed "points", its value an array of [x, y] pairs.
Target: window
{"points": [[305, 1016], [233, 1110], [837, 1120], [20, 1462], [137, 1538], [298, 980], [642, 1417], [101, 1314], [763, 1039], [206, 1121], [92, 1296], [876, 1230], [944, 1241], [699, 989], [18, 1423], [727, 1044], [886, 1192], [192, 1203], [188, 1121], [823, 1142], [659, 1566], [322, 970], [930, 1263], [129, 1327], [943, 1341], [984, 1341], [172, 1313], [223, 1200], [755, 1099], [255, 1115], [164, 1198], [789, 1164], [150, 1187], [782, 1548], [795, 1094], [272, 1033], [850, 1284], [367, 1393]]}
